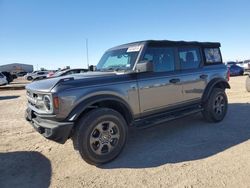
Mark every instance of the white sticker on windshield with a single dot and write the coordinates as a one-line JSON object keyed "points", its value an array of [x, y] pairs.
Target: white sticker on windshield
{"points": [[134, 49]]}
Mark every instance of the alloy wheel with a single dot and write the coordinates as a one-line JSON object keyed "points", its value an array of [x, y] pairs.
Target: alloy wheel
{"points": [[104, 138]]}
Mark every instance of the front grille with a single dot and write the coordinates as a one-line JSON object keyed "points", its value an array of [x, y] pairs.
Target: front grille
{"points": [[33, 99], [38, 103]]}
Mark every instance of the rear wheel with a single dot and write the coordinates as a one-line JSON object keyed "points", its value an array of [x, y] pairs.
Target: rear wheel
{"points": [[248, 84], [29, 78], [215, 108], [100, 136]]}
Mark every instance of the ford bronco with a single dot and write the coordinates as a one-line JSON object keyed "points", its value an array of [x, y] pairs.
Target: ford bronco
{"points": [[138, 84]]}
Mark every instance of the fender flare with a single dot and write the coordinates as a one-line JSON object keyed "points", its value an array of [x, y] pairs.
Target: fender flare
{"points": [[83, 105], [216, 82]]}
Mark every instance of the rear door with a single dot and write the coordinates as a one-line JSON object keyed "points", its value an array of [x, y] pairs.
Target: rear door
{"points": [[161, 88], [193, 78]]}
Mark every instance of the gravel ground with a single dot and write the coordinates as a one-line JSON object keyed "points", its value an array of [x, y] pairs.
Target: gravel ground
{"points": [[184, 153]]}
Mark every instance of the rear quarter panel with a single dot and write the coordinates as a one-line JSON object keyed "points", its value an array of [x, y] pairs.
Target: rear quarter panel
{"points": [[216, 71]]}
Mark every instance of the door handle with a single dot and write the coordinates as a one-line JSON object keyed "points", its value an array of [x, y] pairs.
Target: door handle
{"points": [[203, 76], [174, 81]]}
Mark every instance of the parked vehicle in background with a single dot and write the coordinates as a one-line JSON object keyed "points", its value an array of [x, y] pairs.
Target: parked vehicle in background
{"points": [[40, 75], [14, 76], [36, 75], [3, 79], [21, 74], [244, 64], [230, 63], [28, 76], [138, 84], [248, 83], [236, 70], [51, 73], [8, 76], [68, 72]]}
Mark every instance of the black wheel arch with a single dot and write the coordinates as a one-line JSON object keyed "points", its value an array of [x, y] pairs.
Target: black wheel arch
{"points": [[107, 101], [214, 83]]}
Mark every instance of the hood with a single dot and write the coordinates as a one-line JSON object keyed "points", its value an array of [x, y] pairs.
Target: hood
{"points": [[48, 84]]}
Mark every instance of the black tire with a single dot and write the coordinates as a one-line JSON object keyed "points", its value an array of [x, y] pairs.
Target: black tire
{"points": [[29, 78], [87, 129], [248, 84], [215, 111]]}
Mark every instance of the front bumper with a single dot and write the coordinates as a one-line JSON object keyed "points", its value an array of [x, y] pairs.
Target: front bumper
{"points": [[53, 130]]}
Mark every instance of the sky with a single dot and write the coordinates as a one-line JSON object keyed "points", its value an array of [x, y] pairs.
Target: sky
{"points": [[53, 33]]}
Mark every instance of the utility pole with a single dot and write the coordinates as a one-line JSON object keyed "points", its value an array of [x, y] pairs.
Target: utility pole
{"points": [[87, 53]]}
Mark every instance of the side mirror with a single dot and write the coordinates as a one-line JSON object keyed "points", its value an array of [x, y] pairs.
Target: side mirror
{"points": [[144, 66], [92, 68]]}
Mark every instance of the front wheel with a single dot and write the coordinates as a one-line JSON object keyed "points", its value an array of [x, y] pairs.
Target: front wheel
{"points": [[100, 135], [215, 108]]}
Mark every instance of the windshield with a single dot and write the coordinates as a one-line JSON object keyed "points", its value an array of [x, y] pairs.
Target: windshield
{"points": [[118, 60]]}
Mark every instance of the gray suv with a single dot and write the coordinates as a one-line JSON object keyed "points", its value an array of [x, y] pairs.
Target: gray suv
{"points": [[138, 84]]}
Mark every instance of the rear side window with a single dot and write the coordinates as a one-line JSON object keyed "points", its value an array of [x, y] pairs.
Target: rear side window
{"points": [[162, 58], [71, 72], [76, 72], [40, 73], [82, 71], [212, 55], [189, 58]]}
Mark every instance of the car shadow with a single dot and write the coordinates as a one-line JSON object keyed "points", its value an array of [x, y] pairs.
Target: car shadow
{"points": [[182, 140], [9, 97], [24, 169]]}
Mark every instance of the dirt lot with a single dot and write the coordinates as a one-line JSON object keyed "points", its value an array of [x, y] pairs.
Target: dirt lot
{"points": [[184, 153]]}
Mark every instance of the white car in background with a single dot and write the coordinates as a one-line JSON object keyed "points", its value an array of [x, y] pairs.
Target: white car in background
{"points": [[3, 80], [244, 64], [36, 75]]}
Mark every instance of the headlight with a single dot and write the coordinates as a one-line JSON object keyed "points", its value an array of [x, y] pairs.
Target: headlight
{"points": [[47, 102]]}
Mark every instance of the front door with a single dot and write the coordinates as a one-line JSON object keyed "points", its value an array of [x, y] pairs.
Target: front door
{"points": [[161, 88]]}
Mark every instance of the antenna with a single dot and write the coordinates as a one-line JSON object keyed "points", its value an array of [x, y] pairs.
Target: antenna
{"points": [[87, 53]]}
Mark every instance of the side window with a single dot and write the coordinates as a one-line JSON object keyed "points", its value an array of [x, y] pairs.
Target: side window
{"points": [[162, 58], [212, 55], [189, 58], [82, 71], [76, 71], [69, 72]]}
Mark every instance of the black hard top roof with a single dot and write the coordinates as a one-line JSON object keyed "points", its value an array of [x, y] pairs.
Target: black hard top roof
{"points": [[170, 43]]}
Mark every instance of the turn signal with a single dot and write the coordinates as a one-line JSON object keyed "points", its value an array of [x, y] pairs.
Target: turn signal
{"points": [[56, 102]]}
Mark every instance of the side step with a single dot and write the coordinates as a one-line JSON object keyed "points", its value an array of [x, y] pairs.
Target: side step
{"points": [[163, 118]]}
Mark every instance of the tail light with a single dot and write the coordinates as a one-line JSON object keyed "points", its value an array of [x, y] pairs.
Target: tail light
{"points": [[228, 74]]}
